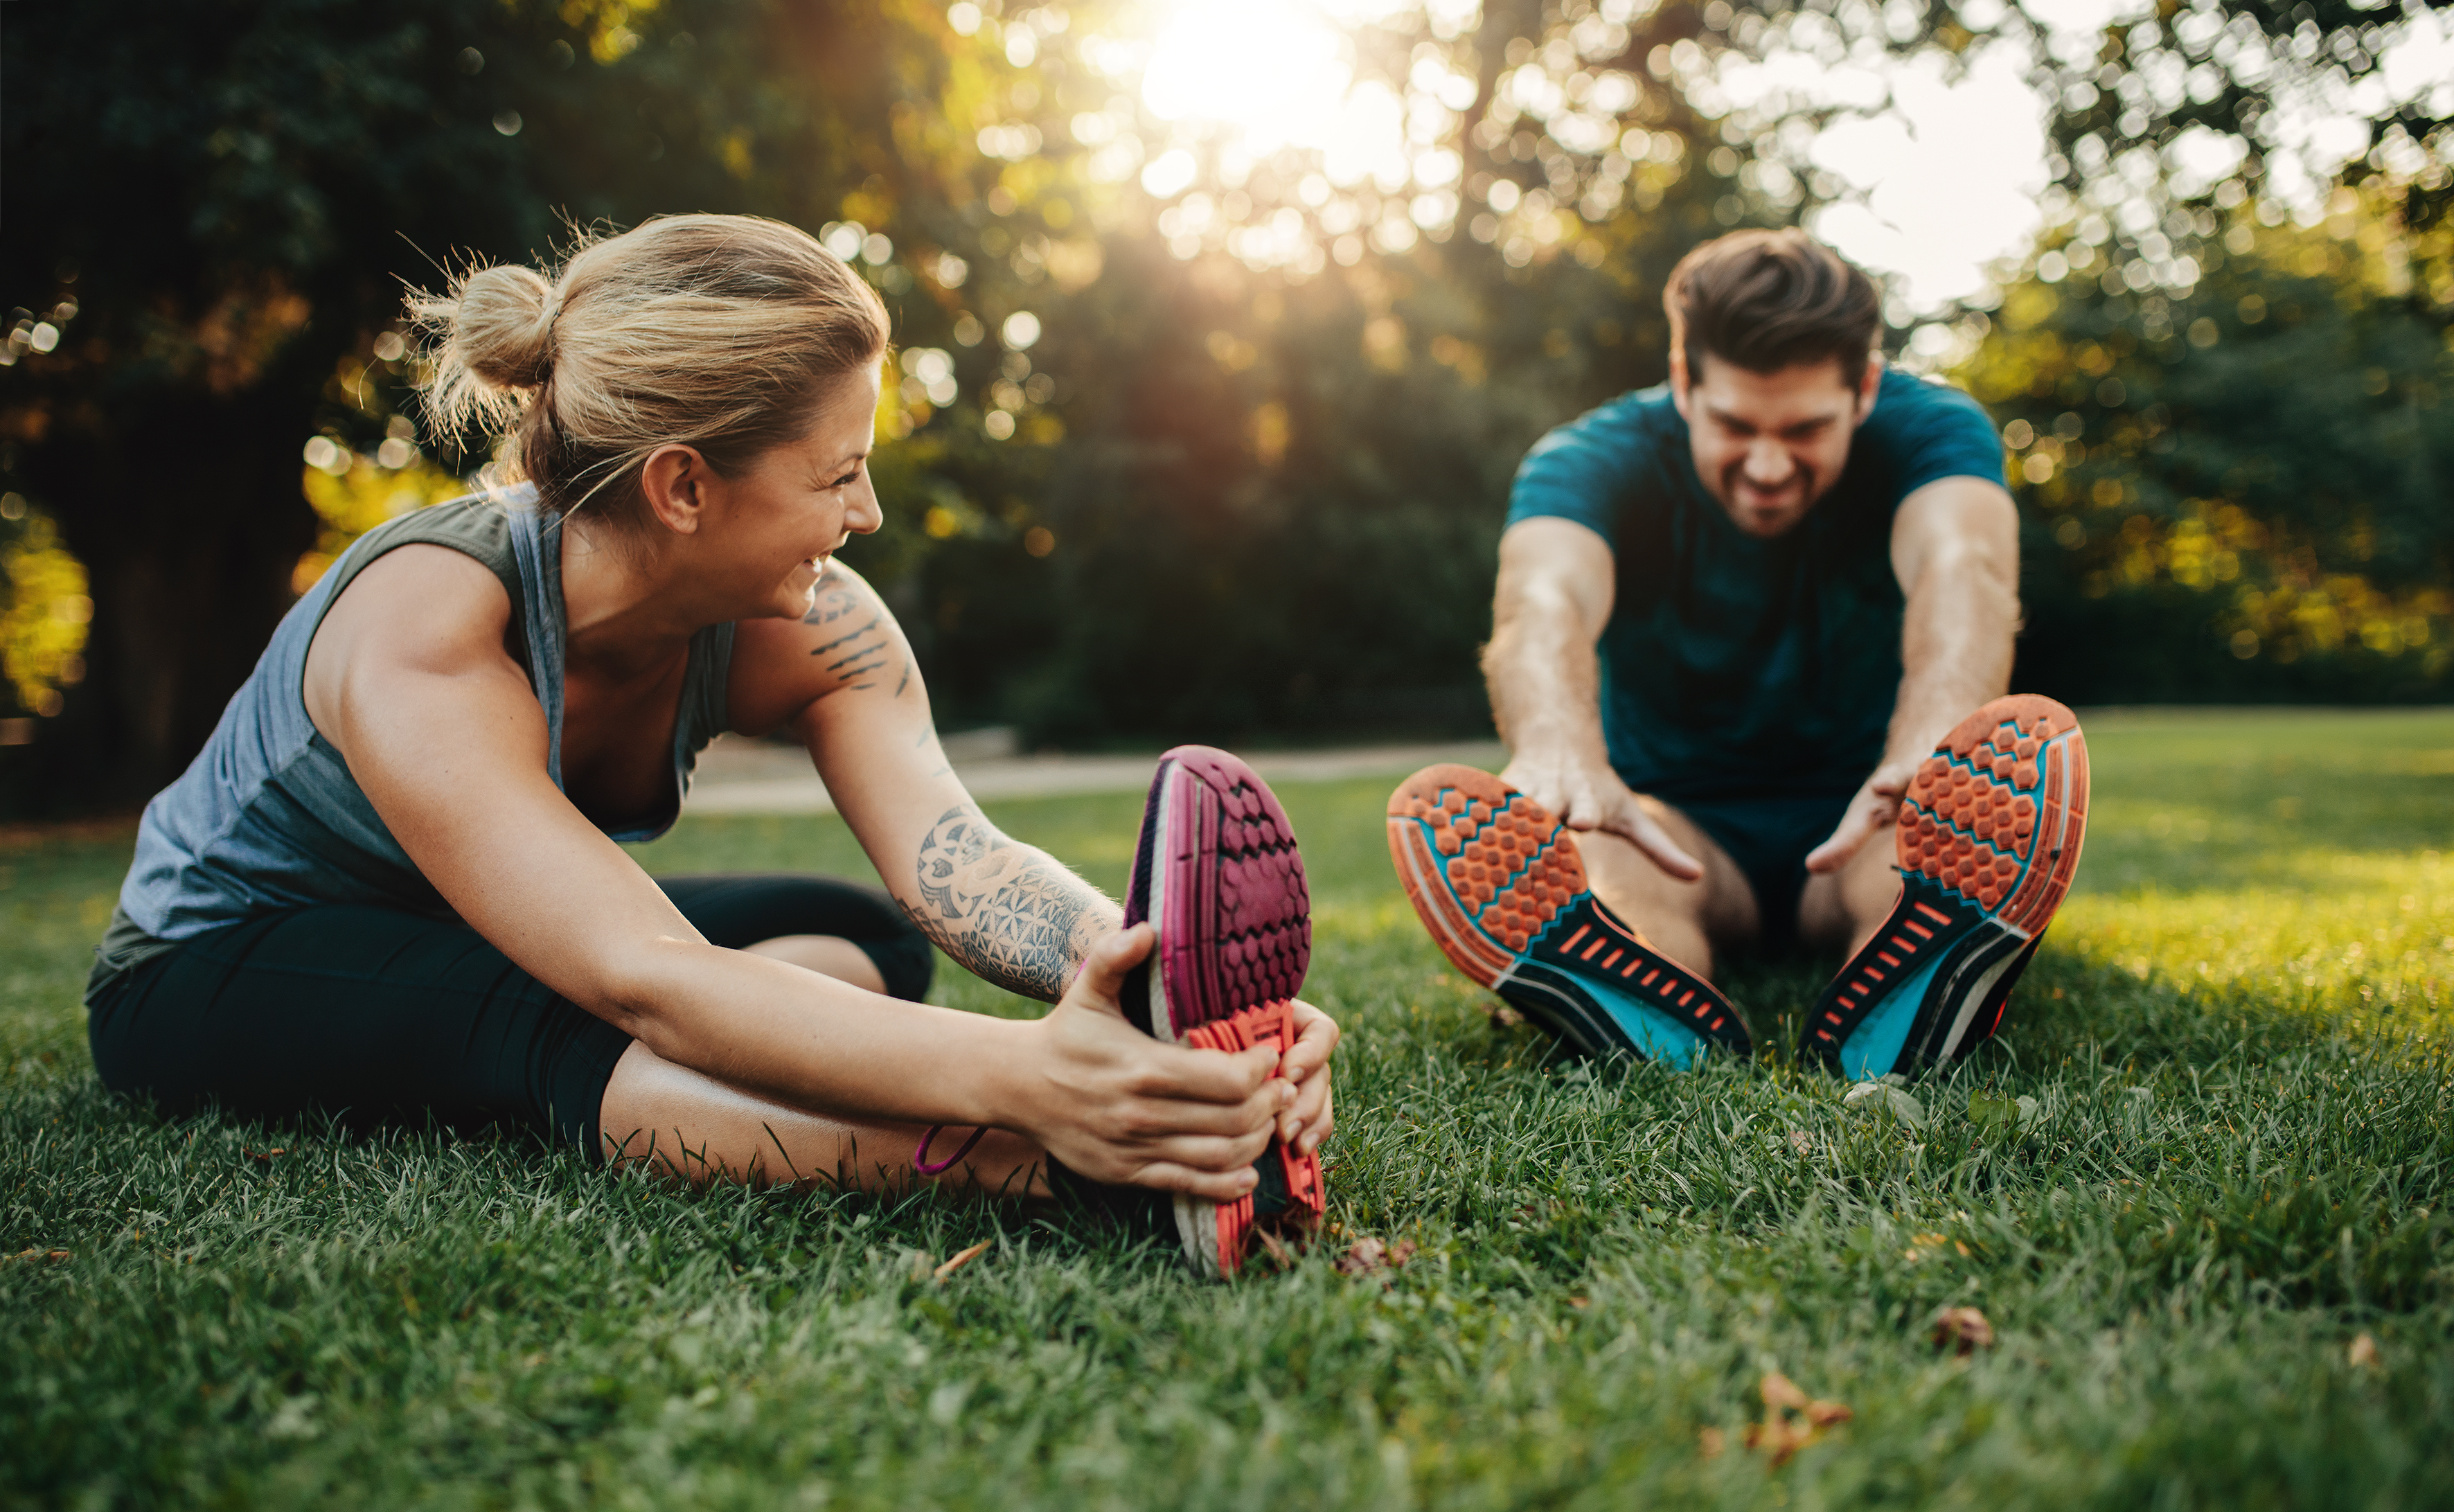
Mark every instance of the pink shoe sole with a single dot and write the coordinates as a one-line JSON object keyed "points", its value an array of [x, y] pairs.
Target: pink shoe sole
{"points": [[1218, 871]]}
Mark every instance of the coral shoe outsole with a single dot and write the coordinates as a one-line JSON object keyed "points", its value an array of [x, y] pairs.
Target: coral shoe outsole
{"points": [[1988, 840], [1216, 871], [1498, 883]]}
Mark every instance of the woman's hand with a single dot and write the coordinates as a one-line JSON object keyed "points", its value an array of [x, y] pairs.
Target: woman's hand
{"points": [[1116, 1105], [1311, 1117]]}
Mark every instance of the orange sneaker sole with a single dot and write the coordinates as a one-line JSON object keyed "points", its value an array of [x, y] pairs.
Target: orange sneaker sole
{"points": [[1291, 1197], [1498, 883], [1988, 840]]}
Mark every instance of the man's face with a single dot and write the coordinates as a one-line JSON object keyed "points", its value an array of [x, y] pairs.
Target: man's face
{"points": [[1769, 444]]}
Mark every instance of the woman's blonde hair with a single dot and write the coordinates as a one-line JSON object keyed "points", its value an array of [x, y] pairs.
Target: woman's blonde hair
{"points": [[728, 334]]}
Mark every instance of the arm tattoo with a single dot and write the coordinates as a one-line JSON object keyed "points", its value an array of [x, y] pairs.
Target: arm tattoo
{"points": [[856, 656], [1006, 911]]}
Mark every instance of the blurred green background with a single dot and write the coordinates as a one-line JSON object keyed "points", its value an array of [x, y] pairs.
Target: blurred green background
{"points": [[1190, 438]]}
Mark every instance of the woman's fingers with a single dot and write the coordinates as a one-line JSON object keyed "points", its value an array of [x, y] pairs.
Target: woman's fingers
{"points": [[1154, 1120], [1320, 1122], [1207, 1075], [1102, 976], [1307, 1122], [1316, 1037], [1217, 1186]]}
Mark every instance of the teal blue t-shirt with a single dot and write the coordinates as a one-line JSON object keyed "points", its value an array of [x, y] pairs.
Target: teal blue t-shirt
{"points": [[1736, 667]]}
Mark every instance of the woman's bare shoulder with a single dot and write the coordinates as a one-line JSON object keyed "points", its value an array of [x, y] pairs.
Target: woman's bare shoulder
{"points": [[418, 608], [848, 644]]}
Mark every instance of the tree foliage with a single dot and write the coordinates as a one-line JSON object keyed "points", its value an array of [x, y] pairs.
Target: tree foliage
{"points": [[1188, 438], [2240, 492]]}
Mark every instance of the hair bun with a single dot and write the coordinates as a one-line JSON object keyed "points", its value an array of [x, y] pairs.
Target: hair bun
{"points": [[502, 326]]}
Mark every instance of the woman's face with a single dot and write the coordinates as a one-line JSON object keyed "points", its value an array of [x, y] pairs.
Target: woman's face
{"points": [[776, 522]]}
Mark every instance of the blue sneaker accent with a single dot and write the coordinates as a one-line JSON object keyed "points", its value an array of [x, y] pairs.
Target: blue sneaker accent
{"points": [[1656, 1035], [1988, 838], [1874, 1048]]}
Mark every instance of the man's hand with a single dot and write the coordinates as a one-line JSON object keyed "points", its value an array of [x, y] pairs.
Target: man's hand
{"points": [[1874, 809], [1118, 1106], [1590, 797]]}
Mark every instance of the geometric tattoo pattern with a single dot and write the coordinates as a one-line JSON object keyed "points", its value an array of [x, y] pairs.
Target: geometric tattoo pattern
{"points": [[1006, 911]]}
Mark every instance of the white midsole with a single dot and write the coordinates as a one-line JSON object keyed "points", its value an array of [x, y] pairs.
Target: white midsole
{"points": [[1162, 1020]]}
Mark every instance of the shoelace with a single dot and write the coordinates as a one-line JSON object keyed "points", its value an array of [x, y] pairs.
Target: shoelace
{"points": [[921, 1156]]}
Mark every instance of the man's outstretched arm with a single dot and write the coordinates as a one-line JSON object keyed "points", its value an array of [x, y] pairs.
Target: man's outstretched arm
{"points": [[1956, 550], [1556, 589]]}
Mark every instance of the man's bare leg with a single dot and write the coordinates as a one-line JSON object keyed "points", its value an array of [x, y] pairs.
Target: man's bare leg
{"points": [[1684, 921], [1847, 906]]}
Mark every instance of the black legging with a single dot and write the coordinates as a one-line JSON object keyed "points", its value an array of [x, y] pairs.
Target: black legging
{"points": [[381, 1015]]}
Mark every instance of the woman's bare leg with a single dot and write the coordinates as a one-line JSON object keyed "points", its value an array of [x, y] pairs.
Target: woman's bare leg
{"points": [[827, 955], [692, 1126]]}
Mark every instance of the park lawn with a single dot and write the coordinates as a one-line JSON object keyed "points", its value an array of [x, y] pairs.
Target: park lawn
{"points": [[2237, 1168]]}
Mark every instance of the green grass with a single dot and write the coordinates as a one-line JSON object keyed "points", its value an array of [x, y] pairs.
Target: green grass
{"points": [[2240, 1163]]}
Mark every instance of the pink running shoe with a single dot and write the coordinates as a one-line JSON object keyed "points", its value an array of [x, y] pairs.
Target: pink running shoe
{"points": [[1217, 872]]}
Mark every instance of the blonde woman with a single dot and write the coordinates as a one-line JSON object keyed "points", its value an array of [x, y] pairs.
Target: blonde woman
{"points": [[391, 886]]}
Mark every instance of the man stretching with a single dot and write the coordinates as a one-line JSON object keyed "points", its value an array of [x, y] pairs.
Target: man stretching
{"points": [[1740, 624]]}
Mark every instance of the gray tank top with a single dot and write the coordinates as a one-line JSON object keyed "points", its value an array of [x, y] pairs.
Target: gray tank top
{"points": [[268, 816]]}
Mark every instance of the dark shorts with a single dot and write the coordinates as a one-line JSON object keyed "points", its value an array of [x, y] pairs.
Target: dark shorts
{"points": [[382, 1015], [1769, 838]]}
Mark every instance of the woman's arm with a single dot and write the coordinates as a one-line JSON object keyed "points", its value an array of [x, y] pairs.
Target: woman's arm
{"points": [[843, 679], [408, 679]]}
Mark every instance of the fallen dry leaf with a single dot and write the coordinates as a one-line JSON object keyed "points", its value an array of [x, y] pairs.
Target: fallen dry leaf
{"points": [[1963, 1330], [261, 1157], [1802, 1142], [1711, 1441], [1369, 1257], [1280, 1255], [963, 1258], [1501, 1014], [2364, 1353], [1580, 1302], [1779, 1391], [1792, 1419], [38, 1252]]}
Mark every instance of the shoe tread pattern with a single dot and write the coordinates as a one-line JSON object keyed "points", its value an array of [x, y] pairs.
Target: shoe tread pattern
{"points": [[1241, 880], [1997, 813], [1491, 873], [1987, 842]]}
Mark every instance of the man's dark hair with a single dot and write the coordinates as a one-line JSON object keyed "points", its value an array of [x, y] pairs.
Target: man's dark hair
{"points": [[1771, 299]]}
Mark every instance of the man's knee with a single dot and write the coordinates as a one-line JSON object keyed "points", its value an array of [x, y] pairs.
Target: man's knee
{"points": [[1719, 904]]}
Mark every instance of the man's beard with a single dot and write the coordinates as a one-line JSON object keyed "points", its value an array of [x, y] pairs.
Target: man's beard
{"points": [[1802, 489]]}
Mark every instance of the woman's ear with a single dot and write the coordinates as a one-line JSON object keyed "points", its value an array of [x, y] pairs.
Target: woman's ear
{"points": [[674, 482]]}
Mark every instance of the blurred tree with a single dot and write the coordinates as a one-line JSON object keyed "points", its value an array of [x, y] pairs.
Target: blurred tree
{"points": [[1187, 435], [215, 208], [2239, 492]]}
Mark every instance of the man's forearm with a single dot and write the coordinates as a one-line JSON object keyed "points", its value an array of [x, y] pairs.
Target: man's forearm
{"points": [[1956, 649], [1007, 912], [1544, 677]]}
